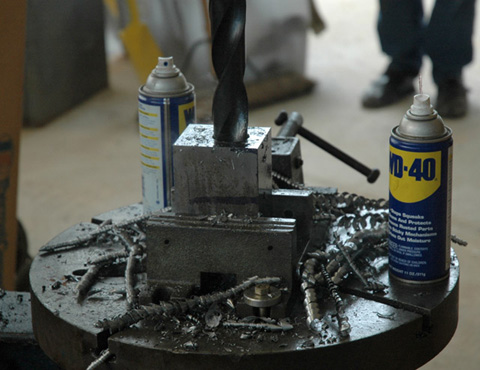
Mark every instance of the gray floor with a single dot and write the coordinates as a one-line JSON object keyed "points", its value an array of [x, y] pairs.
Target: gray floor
{"points": [[87, 161]]}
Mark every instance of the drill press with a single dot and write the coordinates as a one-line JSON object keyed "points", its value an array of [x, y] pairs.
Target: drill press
{"points": [[243, 271]]}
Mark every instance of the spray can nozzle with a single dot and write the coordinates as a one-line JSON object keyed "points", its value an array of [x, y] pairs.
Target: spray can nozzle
{"points": [[166, 68], [421, 105]]}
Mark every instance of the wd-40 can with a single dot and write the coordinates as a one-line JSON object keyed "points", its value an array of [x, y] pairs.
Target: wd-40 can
{"points": [[420, 195], [166, 105]]}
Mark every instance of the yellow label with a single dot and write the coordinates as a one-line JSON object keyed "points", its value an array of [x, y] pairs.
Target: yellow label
{"points": [[414, 176], [186, 114], [148, 113]]}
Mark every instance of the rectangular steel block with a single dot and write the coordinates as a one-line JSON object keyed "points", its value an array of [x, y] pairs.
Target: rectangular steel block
{"points": [[211, 179]]}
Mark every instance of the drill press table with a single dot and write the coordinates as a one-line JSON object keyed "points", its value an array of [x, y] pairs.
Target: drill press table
{"points": [[403, 328]]}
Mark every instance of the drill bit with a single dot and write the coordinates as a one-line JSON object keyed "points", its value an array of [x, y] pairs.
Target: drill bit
{"points": [[230, 103]]}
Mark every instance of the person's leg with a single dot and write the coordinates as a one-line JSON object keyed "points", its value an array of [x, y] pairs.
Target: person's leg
{"points": [[448, 43], [448, 40], [401, 31]]}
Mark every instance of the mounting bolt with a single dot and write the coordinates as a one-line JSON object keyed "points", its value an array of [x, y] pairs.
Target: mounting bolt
{"points": [[261, 297], [298, 162]]}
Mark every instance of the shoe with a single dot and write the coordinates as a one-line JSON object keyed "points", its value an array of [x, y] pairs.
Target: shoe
{"points": [[390, 88], [452, 99]]}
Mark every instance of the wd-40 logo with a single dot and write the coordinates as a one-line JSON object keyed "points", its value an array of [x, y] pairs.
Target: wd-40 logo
{"points": [[414, 176], [186, 115]]}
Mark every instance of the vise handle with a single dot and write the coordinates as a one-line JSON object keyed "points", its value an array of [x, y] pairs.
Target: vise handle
{"points": [[293, 125]]}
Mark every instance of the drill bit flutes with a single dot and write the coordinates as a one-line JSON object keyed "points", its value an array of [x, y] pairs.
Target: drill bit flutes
{"points": [[230, 103]]}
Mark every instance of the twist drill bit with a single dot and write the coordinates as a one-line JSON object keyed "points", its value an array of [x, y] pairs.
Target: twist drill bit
{"points": [[230, 103]]}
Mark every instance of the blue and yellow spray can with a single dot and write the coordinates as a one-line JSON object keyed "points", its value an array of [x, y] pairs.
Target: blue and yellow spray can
{"points": [[420, 195], [166, 105]]}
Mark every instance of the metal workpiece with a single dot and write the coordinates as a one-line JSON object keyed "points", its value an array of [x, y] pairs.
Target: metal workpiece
{"points": [[420, 321], [230, 102], [211, 179], [218, 250]]}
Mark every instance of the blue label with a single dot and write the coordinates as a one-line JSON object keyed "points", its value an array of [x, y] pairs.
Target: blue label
{"points": [[419, 219]]}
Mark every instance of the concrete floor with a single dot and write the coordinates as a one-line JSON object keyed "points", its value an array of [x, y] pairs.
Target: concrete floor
{"points": [[87, 161]]}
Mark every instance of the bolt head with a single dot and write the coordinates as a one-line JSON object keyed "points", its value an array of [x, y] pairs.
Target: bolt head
{"points": [[262, 289]]}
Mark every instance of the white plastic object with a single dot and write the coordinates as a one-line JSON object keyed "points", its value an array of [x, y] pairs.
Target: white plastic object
{"points": [[421, 105]]}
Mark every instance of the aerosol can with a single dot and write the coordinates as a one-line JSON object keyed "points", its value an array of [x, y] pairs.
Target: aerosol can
{"points": [[166, 105], [420, 195]]}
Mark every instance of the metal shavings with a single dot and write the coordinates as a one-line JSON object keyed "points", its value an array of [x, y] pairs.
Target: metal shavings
{"points": [[458, 241], [193, 319], [310, 302], [294, 185], [386, 316], [177, 307], [259, 318], [87, 280], [102, 229], [190, 345], [230, 304], [211, 335], [131, 295], [110, 257], [213, 317], [281, 326], [352, 264], [103, 358], [344, 325], [307, 344], [71, 278], [124, 238], [359, 242]]}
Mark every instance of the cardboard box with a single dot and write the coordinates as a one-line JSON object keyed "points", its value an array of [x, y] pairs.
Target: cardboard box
{"points": [[12, 48]]}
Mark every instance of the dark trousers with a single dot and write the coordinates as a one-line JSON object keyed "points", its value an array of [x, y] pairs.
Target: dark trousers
{"points": [[446, 38]]}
